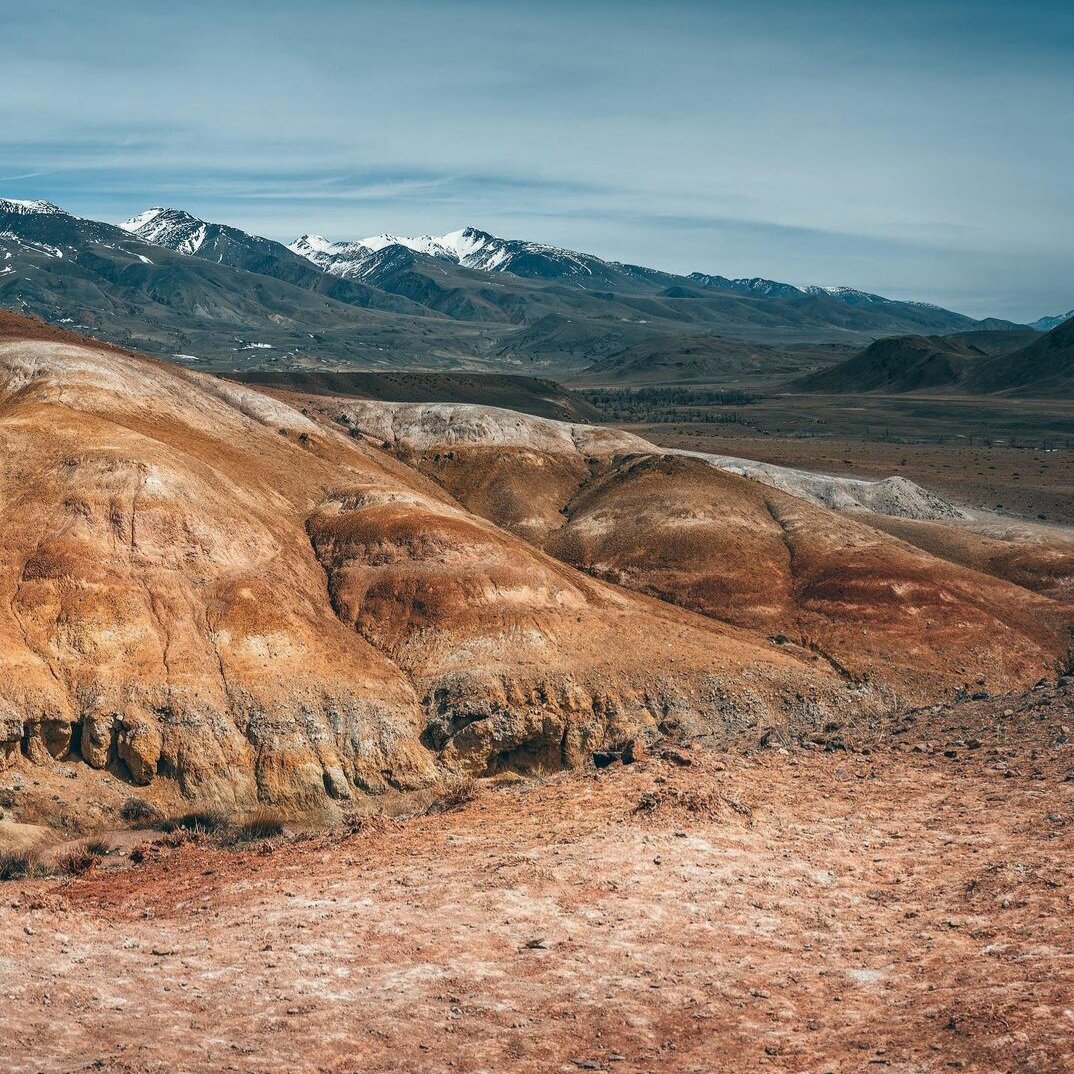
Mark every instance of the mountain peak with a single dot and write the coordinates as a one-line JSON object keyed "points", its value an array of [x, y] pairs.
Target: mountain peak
{"points": [[29, 208], [174, 228], [1046, 324]]}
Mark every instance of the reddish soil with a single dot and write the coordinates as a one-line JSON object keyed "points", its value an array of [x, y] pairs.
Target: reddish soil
{"points": [[796, 910]]}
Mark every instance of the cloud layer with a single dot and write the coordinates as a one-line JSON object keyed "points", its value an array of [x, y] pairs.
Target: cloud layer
{"points": [[922, 151]]}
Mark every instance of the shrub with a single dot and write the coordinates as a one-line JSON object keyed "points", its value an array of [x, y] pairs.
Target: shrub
{"points": [[134, 810], [21, 865], [199, 821], [454, 795], [264, 824], [82, 858]]}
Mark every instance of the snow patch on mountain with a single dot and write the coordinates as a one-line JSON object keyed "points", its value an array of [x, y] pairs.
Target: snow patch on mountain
{"points": [[28, 208], [174, 228], [468, 247], [1046, 324]]}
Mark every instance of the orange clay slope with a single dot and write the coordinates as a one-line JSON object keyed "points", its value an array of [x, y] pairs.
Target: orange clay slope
{"points": [[207, 593], [745, 552]]}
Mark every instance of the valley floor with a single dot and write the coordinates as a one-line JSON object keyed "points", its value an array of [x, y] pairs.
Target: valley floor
{"points": [[904, 906]]}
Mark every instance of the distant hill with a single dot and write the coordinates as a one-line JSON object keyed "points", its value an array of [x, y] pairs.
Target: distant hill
{"points": [[682, 359], [914, 363], [1044, 368], [1046, 324], [531, 395]]}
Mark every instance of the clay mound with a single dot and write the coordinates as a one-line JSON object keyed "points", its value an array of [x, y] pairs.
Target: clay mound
{"points": [[202, 589], [768, 554], [417, 429], [894, 496], [877, 609], [1037, 557]]}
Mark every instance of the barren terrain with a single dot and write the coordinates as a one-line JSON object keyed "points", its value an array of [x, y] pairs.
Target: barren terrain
{"points": [[1029, 482], [354, 736], [899, 907]]}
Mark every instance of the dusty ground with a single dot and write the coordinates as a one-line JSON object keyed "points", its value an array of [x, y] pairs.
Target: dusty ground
{"points": [[1022, 482], [896, 909]]}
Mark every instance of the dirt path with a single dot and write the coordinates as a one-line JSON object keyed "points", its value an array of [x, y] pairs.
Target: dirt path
{"points": [[788, 912]]}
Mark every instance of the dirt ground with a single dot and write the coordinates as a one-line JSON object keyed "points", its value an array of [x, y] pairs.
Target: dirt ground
{"points": [[1028, 483], [903, 906]]}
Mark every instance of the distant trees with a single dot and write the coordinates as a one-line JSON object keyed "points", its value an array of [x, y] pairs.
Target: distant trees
{"points": [[660, 405]]}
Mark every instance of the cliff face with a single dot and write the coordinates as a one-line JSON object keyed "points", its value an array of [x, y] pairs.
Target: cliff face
{"points": [[203, 589]]}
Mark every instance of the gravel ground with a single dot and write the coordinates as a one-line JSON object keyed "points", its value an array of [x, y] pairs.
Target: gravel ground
{"points": [[810, 909]]}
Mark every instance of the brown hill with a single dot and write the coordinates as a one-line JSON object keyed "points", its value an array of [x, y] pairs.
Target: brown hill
{"points": [[737, 550], [204, 591], [912, 363]]}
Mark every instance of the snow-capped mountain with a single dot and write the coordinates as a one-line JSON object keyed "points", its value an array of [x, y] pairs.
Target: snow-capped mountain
{"points": [[174, 228], [758, 285], [1046, 324], [754, 285], [468, 247], [481, 251], [29, 208]]}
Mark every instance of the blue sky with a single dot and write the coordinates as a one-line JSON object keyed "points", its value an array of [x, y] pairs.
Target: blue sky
{"points": [[921, 150]]}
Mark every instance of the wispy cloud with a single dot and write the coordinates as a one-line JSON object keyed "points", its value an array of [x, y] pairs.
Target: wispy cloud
{"points": [[911, 147]]}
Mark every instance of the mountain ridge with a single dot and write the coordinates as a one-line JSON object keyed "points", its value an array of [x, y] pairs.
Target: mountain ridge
{"points": [[197, 291]]}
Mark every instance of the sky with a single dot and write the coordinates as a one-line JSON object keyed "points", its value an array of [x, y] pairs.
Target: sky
{"points": [[918, 150]]}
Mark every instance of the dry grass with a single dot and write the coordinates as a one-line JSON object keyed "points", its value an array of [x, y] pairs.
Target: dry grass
{"points": [[197, 822], [455, 794], [264, 824], [22, 865], [135, 810]]}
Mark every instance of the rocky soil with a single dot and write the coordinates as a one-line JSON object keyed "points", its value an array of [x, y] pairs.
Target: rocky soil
{"points": [[902, 902]]}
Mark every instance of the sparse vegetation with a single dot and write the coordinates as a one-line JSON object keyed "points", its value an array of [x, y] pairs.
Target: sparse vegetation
{"points": [[668, 405], [456, 793], [198, 822], [135, 810], [22, 865], [264, 824], [79, 860]]}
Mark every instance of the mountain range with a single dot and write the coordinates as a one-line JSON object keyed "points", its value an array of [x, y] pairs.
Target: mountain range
{"points": [[197, 291]]}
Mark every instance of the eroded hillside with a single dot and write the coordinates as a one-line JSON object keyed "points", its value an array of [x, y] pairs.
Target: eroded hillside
{"points": [[206, 592]]}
